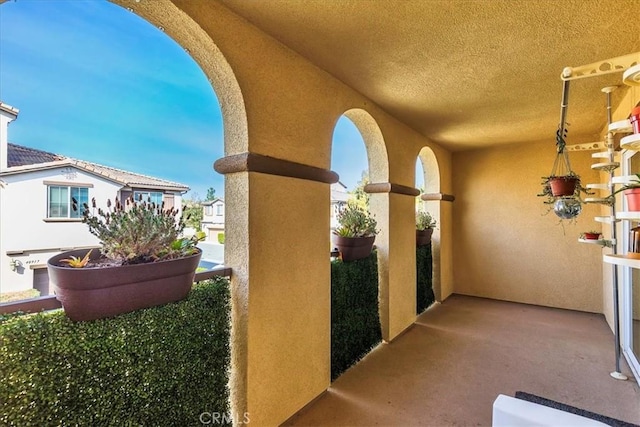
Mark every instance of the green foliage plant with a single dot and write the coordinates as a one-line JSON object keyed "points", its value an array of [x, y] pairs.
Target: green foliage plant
{"points": [[358, 196], [355, 321], [548, 194], [139, 231], [424, 278], [355, 221], [193, 214], [161, 366], [424, 221]]}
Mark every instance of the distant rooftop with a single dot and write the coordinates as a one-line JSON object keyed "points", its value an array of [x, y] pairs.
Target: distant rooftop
{"points": [[25, 159], [9, 109], [17, 155]]}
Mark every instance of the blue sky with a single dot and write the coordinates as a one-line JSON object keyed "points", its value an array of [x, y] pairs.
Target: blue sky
{"points": [[96, 82]]}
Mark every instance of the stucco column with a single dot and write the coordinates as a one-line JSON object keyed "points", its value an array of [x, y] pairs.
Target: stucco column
{"points": [[279, 253], [396, 245]]}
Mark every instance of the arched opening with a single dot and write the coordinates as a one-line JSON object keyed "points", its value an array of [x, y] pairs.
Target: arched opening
{"points": [[230, 115], [428, 181], [359, 157]]}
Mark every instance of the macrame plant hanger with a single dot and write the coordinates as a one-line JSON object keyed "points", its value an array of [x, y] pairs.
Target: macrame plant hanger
{"points": [[561, 165]]}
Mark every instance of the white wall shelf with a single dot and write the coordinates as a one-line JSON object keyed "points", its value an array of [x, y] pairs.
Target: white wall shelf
{"points": [[621, 260], [605, 219], [629, 215], [631, 142], [624, 179], [605, 166], [597, 186], [622, 126], [605, 155], [600, 242], [631, 77]]}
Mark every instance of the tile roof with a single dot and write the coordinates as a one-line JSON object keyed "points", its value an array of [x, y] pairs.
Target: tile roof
{"points": [[18, 155]]}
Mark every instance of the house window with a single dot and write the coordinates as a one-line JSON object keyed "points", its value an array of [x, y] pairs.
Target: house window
{"points": [[219, 210], [148, 196], [60, 201], [208, 210]]}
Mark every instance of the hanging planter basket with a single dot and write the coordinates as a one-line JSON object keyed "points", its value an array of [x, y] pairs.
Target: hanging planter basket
{"points": [[563, 185]]}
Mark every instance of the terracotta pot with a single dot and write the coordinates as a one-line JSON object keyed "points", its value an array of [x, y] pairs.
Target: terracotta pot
{"points": [[563, 185], [634, 118], [96, 293], [592, 236], [353, 248], [423, 237], [633, 199]]}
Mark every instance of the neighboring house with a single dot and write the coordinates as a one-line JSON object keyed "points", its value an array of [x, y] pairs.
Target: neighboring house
{"points": [[339, 197], [213, 219], [36, 217]]}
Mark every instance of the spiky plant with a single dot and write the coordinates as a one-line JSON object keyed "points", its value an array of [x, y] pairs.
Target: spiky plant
{"points": [[139, 231]]}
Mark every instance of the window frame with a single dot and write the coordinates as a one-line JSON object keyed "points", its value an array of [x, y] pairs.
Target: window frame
{"points": [[69, 195], [147, 195]]}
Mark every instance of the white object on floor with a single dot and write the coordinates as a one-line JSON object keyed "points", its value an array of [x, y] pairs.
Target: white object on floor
{"points": [[511, 412]]}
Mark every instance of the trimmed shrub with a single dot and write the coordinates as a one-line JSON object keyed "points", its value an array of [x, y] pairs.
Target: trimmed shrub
{"points": [[355, 322], [424, 276], [159, 366]]}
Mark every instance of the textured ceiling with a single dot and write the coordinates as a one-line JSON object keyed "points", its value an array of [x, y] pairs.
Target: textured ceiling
{"points": [[466, 74]]}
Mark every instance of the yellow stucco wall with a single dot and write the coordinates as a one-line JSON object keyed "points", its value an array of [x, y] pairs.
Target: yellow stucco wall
{"points": [[503, 245]]}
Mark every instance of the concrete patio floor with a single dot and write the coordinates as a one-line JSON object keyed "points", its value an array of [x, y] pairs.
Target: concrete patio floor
{"points": [[449, 367]]}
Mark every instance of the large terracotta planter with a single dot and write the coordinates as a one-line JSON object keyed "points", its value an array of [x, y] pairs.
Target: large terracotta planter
{"points": [[423, 237], [96, 293], [563, 185], [353, 248], [633, 199]]}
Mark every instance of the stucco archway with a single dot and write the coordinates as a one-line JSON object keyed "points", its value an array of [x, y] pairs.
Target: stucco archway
{"points": [[168, 18], [378, 164]]}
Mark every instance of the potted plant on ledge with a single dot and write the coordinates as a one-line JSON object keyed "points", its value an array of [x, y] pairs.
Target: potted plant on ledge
{"points": [[632, 193], [355, 234], [424, 228], [590, 235], [143, 262]]}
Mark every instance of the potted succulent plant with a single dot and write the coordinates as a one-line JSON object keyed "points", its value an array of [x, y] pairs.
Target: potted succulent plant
{"points": [[590, 235], [424, 228], [355, 234], [143, 261]]}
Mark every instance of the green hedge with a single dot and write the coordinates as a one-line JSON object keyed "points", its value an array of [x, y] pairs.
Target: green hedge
{"points": [[355, 322], [424, 275], [160, 366]]}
